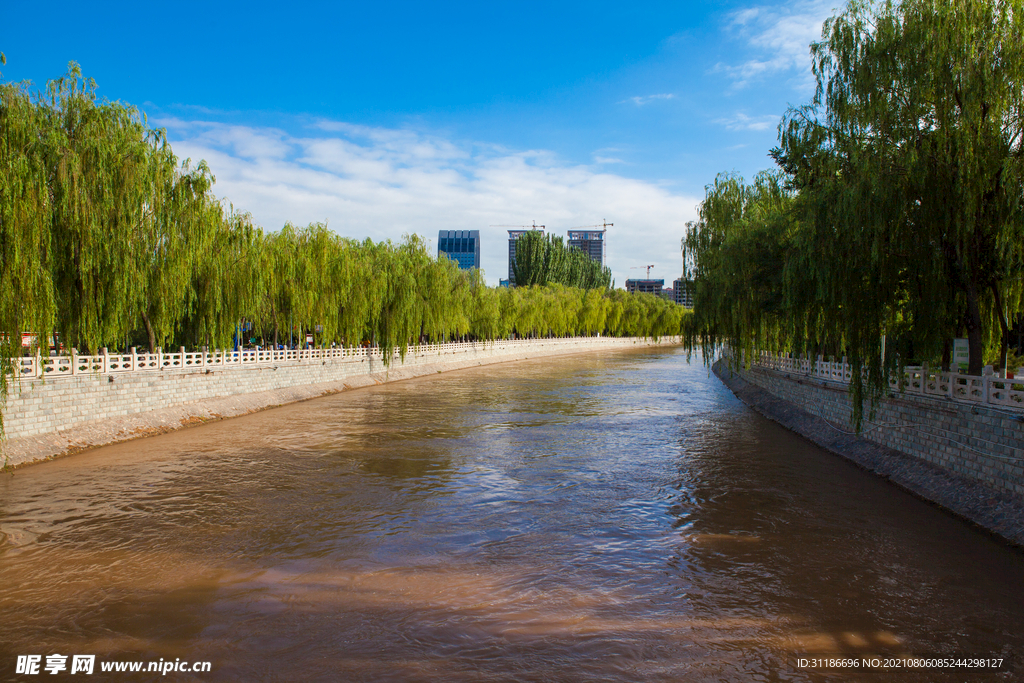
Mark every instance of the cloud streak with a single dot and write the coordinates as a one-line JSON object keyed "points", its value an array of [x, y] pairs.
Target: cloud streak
{"points": [[385, 182], [779, 36], [640, 101], [741, 121]]}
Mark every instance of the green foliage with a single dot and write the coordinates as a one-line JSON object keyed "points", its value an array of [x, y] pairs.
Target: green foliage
{"points": [[737, 251], [912, 151], [107, 240], [903, 215], [542, 260]]}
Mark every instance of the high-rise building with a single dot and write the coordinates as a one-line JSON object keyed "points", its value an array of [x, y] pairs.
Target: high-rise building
{"points": [[682, 292], [513, 235], [462, 246], [649, 286], [590, 242]]}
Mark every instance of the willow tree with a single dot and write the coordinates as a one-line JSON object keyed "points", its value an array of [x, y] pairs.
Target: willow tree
{"points": [[171, 246], [543, 260], [28, 301], [398, 317], [448, 298], [354, 273], [485, 321], [909, 165], [528, 266], [593, 312], [314, 298], [106, 172], [737, 253], [229, 279]]}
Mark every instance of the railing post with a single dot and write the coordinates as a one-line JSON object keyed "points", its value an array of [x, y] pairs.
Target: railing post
{"points": [[105, 362]]}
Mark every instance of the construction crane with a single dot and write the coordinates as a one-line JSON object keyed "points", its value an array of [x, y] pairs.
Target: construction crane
{"points": [[534, 226], [647, 267], [604, 225]]}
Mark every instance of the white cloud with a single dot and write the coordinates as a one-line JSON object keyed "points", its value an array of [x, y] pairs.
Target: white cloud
{"points": [[741, 121], [780, 36], [383, 183], [647, 99]]}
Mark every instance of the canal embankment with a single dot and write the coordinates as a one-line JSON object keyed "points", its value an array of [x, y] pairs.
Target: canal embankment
{"points": [[966, 458], [60, 406]]}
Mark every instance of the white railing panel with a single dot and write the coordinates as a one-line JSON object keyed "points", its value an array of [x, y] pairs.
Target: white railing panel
{"points": [[84, 364], [987, 389], [937, 383], [26, 366], [56, 366], [913, 380], [1005, 392], [119, 364], [194, 360]]}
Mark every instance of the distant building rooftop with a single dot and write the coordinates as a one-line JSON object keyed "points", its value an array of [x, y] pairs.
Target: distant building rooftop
{"points": [[461, 246], [649, 286]]}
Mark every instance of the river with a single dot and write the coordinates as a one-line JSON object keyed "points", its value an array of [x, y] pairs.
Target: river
{"points": [[614, 516]]}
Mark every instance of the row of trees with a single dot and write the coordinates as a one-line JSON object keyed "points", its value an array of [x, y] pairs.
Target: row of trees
{"points": [[543, 260], [894, 222], [108, 241]]}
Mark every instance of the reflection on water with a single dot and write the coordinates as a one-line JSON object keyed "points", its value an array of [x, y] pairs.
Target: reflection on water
{"points": [[613, 516]]}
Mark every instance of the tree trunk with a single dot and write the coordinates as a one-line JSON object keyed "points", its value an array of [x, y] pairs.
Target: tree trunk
{"points": [[972, 322], [1003, 328], [149, 332], [273, 316]]}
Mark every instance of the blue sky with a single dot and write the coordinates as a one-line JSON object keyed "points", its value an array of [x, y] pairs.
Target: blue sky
{"points": [[391, 118]]}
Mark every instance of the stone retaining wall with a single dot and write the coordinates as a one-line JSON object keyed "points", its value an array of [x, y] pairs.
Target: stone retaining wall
{"points": [[48, 417]]}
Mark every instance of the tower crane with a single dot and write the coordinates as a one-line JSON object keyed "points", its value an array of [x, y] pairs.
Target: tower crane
{"points": [[647, 267], [604, 225], [534, 226]]}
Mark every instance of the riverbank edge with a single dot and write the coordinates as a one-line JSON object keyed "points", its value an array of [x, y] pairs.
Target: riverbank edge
{"points": [[994, 512], [31, 450]]}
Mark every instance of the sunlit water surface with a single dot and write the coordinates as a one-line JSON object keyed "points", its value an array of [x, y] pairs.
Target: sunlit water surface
{"points": [[603, 517]]}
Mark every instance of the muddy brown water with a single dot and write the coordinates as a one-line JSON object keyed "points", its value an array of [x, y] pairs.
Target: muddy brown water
{"points": [[616, 516]]}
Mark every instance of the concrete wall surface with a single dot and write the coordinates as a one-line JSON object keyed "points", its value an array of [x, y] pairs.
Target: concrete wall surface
{"points": [[55, 416]]}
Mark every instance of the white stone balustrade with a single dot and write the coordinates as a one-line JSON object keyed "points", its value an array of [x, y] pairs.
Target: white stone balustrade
{"points": [[38, 367], [987, 389]]}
